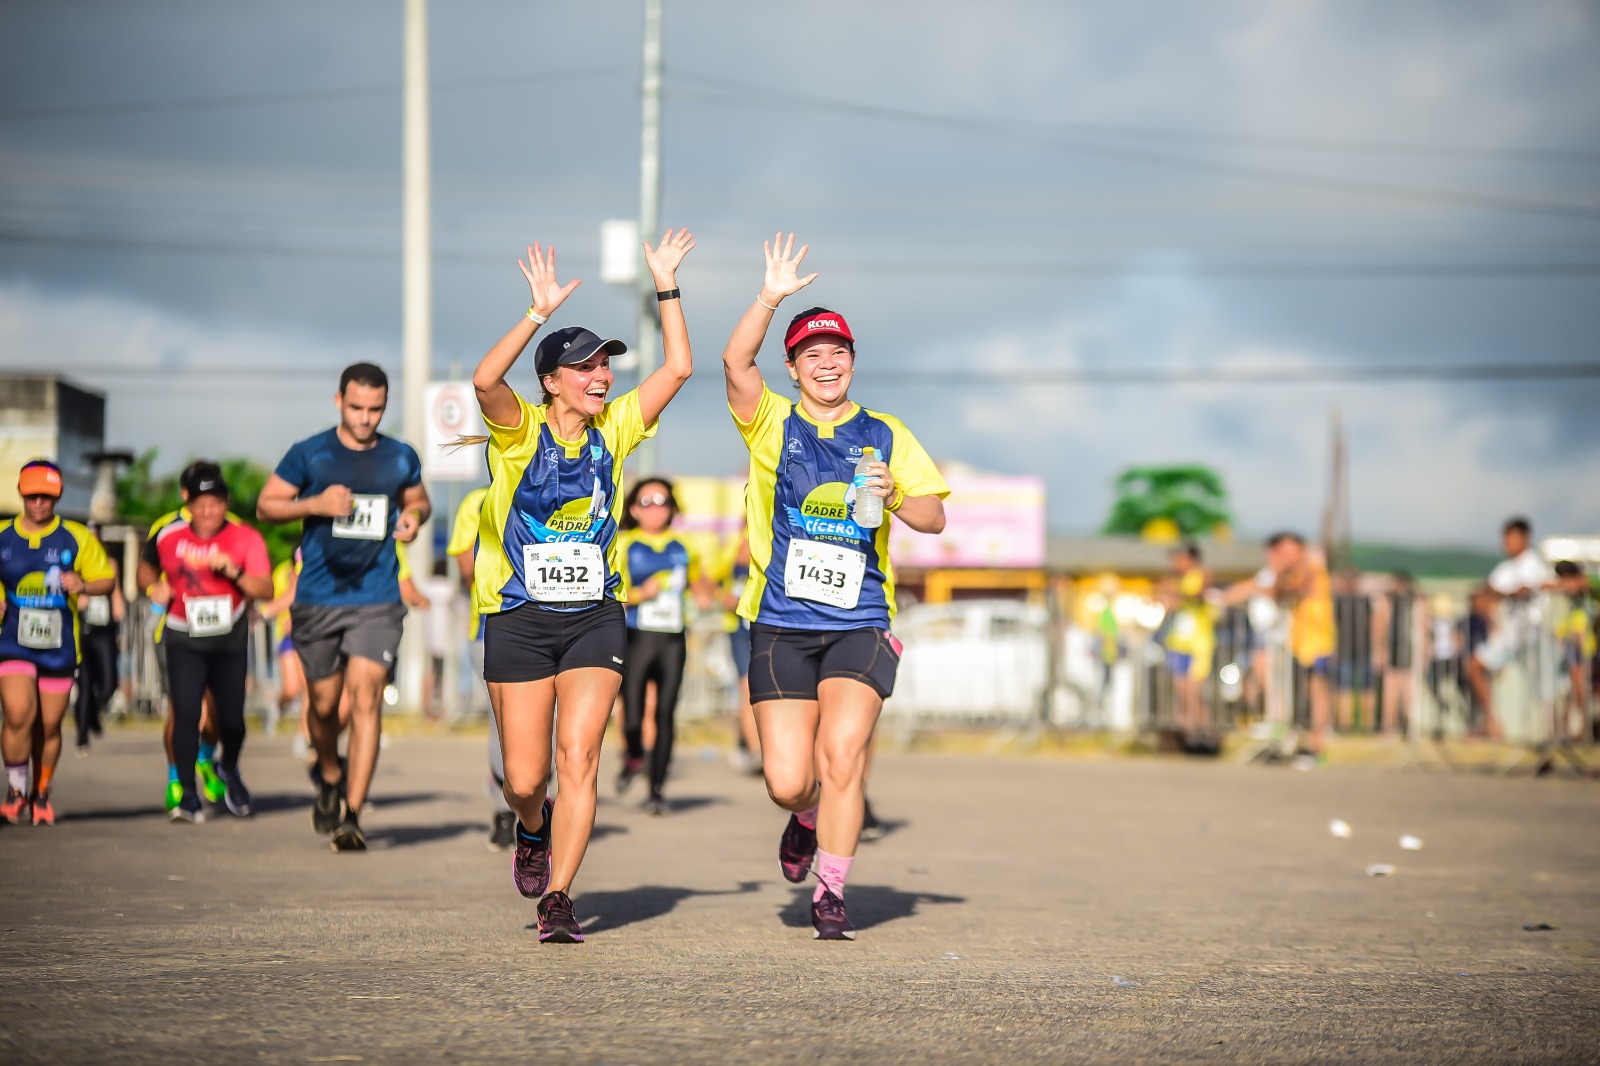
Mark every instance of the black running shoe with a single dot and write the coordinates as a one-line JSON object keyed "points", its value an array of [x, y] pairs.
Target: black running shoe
{"points": [[349, 837], [631, 768], [557, 923], [828, 919], [188, 810], [656, 805], [504, 833], [796, 850], [328, 809], [234, 794], [530, 868]]}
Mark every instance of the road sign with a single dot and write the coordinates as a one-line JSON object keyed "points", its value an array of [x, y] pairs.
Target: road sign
{"points": [[452, 411]]}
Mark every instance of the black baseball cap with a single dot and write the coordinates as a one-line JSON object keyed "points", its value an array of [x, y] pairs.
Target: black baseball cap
{"points": [[571, 345], [203, 477]]}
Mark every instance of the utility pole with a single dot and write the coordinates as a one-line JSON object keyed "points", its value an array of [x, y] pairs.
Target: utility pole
{"points": [[416, 314], [649, 206]]}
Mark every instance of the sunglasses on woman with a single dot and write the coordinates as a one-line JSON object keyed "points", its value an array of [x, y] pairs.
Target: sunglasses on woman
{"points": [[658, 500]]}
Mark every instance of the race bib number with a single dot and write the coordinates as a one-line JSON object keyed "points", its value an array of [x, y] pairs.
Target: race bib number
{"points": [[560, 572], [208, 616], [826, 573], [664, 614], [368, 519], [39, 629], [98, 611]]}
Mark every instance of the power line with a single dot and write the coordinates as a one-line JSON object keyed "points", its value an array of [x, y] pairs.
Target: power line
{"points": [[1299, 375], [1167, 158], [1264, 269], [287, 96]]}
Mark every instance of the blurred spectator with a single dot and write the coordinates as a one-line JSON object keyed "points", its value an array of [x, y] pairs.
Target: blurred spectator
{"points": [[1478, 635], [440, 594], [1519, 582], [1575, 638], [1394, 635], [1190, 638], [1353, 675]]}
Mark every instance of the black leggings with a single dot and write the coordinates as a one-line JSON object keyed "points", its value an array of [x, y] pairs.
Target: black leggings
{"points": [[657, 657], [97, 679], [195, 664]]}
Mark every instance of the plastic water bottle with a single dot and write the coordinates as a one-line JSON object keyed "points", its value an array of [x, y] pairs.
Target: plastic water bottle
{"points": [[869, 505]]}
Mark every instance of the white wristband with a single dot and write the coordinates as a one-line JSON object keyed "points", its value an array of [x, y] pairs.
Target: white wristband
{"points": [[536, 316], [763, 303]]}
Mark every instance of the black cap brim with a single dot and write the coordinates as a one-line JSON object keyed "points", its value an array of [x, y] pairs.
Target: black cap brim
{"points": [[574, 356]]}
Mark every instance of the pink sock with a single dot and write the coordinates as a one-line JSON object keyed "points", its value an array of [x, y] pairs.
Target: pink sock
{"points": [[831, 871], [17, 778], [808, 818]]}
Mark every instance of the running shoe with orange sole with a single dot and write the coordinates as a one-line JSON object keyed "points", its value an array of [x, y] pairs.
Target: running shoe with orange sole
{"points": [[15, 808], [43, 812]]}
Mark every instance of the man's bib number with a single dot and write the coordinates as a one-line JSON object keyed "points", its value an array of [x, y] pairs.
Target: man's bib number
{"points": [[39, 629], [208, 616], [562, 572], [664, 614], [368, 519], [826, 573]]}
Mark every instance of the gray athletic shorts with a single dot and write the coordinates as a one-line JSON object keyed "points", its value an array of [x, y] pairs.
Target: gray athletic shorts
{"points": [[328, 637]]}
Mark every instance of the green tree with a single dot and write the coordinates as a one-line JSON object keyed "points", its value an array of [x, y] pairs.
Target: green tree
{"points": [[1191, 497], [142, 498]]}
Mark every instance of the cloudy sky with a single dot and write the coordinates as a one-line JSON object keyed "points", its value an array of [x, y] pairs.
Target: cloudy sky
{"points": [[1070, 237]]}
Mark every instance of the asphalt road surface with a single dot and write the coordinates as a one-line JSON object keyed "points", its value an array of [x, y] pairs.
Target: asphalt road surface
{"points": [[1018, 910]]}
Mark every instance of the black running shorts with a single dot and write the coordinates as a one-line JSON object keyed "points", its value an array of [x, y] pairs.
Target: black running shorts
{"points": [[527, 643], [787, 664]]}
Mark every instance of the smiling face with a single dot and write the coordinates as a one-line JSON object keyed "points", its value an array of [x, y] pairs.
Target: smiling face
{"points": [[582, 386], [207, 512], [652, 510], [823, 368], [360, 411]]}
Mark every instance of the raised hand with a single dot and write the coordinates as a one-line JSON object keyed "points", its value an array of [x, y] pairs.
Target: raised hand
{"points": [[540, 270], [783, 268], [664, 258]]}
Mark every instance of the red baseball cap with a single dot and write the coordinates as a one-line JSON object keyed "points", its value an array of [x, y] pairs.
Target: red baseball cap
{"points": [[819, 323], [39, 478]]}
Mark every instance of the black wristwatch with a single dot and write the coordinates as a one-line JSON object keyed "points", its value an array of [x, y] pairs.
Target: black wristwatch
{"points": [[663, 295]]}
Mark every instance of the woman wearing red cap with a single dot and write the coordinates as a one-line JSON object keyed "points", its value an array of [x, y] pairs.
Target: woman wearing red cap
{"points": [[547, 577], [46, 563], [820, 596]]}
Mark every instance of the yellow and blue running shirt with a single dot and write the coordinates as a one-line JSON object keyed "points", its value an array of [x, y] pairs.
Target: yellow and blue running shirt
{"points": [[801, 472], [666, 556], [546, 490], [464, 538], [41, 620]]}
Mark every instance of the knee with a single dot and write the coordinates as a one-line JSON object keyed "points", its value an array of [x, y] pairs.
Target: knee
{"points": [[523, 785], [579, 760], [840, 766], [789, 791]]}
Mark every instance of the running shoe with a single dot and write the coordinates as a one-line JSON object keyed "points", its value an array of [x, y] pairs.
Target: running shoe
{"points": [[211, 785], [327, 810], [349, 837], [235, 795], [796, 850], [43, 813], [15, 808], [656, 806], [828, 919], [557, 923], [174, 794], [188, 810], [504, 833], [631, 768], [530, 868]]}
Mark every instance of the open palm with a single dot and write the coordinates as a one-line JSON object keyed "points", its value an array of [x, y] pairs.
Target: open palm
{"points": [[783, 266], [664, 258], [540, 270]]}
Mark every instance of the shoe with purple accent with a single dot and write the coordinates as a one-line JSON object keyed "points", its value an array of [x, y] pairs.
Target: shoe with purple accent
{"points": [[530, 868], [796, 850], [557, 923], [828, 919]]}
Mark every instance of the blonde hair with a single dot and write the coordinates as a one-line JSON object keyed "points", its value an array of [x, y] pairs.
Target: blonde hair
{"points": [[465, 440]]}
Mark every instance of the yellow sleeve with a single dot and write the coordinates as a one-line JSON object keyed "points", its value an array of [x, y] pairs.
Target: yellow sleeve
{"points": [[91, 563], [769, 416], [464, 531], [622, 426], [405, 563], [625, 538], [503, 437], [913, 472]]}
